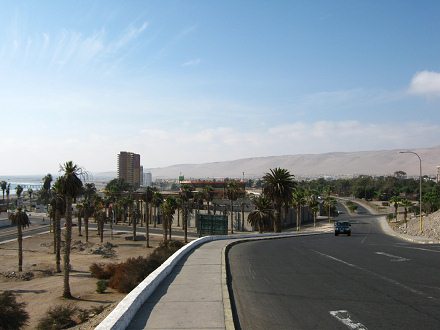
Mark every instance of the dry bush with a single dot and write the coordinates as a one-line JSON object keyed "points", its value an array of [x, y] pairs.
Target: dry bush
{"points": [[58, 317], [125, 276]]}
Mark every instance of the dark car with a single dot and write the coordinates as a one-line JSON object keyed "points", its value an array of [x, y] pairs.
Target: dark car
{"points": [[342, 227]]}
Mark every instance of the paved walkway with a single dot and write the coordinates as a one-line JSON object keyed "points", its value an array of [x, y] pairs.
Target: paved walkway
{"points": [[192, 294]]}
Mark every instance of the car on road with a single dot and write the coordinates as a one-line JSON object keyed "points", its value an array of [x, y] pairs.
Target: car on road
{"points": [[342, 227]]}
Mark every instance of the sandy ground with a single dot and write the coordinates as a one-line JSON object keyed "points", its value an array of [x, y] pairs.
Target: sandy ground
{"points": [[45, 289]]}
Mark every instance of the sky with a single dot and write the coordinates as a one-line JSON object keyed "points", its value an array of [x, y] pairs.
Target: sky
{"points": [[204, 81]]}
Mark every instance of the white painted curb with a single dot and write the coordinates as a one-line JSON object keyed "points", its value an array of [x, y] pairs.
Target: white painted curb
{"points": [[124, 312]]}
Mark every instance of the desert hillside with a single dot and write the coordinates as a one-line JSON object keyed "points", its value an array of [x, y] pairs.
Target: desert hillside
{"points": [[383, 162]]}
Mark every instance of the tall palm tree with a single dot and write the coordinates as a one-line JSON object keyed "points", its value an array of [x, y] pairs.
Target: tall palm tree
{"points": [[3, 185], [80, 215], [232, 191], [395, 200], [168, 208], [71, 186], [298, 200], [58, 209], [8, 187], [21, 220], [406, 205], [186, 195], [312, 203], [262, 216], [157, 201], [18, 192], [99, 215], [148, 199], [88, 210], [45, 191], [329, 203], [278, 185], [30, 193], [208, 194]]}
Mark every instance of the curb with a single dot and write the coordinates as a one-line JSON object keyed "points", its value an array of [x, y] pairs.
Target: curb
{"points": [[124, 312]]}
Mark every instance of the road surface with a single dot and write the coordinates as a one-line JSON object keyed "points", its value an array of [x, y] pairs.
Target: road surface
{"points": [[366, 281]]}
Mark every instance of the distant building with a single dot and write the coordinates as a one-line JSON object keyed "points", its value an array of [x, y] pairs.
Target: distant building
{"points": [[148, 179], [219, 187], [129, 168]]}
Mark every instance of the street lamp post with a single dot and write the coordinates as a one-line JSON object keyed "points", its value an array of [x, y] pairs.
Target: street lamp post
{"points": [[420, 188]]}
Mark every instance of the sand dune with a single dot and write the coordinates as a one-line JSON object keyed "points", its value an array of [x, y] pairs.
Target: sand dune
{"points": [[383, 162]]}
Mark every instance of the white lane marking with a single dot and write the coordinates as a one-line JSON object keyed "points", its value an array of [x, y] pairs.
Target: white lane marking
{"points": [[387, 279], [344, 317], [393, 257], [422, 249]]}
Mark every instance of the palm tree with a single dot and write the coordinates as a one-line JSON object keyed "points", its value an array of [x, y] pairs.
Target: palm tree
{"points": [[88, 209], [298, 200], [80, 215], [99, 215], [18, 192], [21, 220], [3, 186], [186, 195], [45, 191], [278, 187], [157, 201], [232, 191], [395, 200], [30, 192], [208, 194], [148, 198], [58, 209], [168, 208], [329, 203], [71, 186], [8, 187], [262, 216], [406, 205], [312, 203]]}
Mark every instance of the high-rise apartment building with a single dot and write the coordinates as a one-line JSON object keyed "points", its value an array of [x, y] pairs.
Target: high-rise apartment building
{"points": [[129, 168]]}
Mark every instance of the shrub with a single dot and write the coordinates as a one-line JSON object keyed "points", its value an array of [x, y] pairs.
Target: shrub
{"points": [[101, 286], [58, 317], [102, 271], [125, 276], [12, 313]]}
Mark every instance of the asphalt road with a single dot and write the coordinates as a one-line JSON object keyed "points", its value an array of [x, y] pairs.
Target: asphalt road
{"points": [[366, 281]]}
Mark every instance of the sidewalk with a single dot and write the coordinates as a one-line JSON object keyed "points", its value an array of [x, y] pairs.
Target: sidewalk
{"points": [[191, 297], [195, 295]]}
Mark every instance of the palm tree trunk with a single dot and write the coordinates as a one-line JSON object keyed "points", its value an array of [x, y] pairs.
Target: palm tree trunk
{"points": [[66, 291], [169, 228], [155, 217], [86, 225], [57, 223], [79, 224], [277, 223], [314, 219], [185, 221], [101, 228], [178, 217], [54, 230], [134, 220], [147, 225], [20, 247], [232, 217]]}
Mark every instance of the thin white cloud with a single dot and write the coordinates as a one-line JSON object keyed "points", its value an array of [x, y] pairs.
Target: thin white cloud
{"points": [[425, 83], [192, 62], [131, 33]]}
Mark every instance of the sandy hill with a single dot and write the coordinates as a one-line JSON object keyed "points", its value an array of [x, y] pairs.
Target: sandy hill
{"points": [[383, 162]]}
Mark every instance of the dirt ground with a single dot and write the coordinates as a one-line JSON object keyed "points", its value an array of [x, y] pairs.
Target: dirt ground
{"points": [[44, 289]]}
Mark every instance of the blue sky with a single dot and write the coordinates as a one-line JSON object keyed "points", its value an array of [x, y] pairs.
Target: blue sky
{"points": [[202, 81]]}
